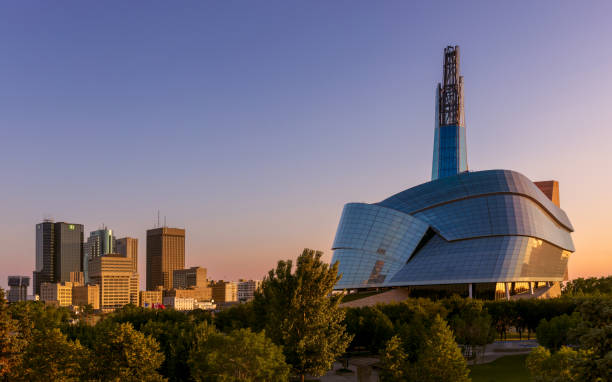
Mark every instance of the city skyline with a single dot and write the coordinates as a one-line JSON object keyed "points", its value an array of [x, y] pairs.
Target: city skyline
{"points": [[263, 121]]}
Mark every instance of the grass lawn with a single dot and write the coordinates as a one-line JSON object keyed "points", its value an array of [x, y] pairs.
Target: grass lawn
{"points": [[510, 368]]}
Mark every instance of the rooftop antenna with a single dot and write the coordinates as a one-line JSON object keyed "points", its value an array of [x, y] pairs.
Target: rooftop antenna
{"points": [[157, 219], [165, 222]]}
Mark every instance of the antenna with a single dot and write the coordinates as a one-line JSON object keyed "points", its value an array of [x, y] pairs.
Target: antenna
{"points": [[165, 221], [157, 219]]}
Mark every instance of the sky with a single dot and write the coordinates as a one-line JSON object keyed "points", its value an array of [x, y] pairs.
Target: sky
{"points": [[251, 124]]}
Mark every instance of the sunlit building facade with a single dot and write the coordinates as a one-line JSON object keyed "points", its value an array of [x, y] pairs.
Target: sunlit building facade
{"points": [[99, 243], [116, 279], [487, 234], [59, 252]]}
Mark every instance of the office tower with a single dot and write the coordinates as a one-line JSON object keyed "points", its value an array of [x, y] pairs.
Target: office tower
{"points": [[128, 247], [118, 283], [99, 243], [59, 251], [18, 288], [60, 293], [247, 288], [224, 291], [165, 254], [450, 153], [86, 295], [45, 255], [189, 278], [68, 250]]}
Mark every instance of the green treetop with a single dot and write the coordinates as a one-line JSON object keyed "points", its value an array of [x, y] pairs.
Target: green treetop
{"points": [[298, 312]]}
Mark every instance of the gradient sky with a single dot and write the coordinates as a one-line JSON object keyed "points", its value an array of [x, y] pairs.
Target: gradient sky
{"points": [[252, 123]]}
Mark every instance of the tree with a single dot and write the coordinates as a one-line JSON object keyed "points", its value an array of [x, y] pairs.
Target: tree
{"points": [[175, 341], [561, 366], [371, 328], [298, 311], [441, 359], [239, 316], [51, 357], [394, 362], [11, 340], [594, 335], [470, 323], [124, 354], [558, 331], [592, 285], [240, 355], [438, 359]]}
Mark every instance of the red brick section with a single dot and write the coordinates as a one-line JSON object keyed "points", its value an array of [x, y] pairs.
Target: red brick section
{"points": [[550, 188]]}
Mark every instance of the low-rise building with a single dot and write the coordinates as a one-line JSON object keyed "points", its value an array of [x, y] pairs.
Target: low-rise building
{"points": [[224, 291], [204, 305], [197, 293], [247, 288], [194, 277], [179, 303], [150, 298], [86, 295], [61, 293]]}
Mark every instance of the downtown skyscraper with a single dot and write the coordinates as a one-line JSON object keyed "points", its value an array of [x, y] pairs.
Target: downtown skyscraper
{"points": [[128, 247], [59, 251], [99, 243], [165, 254]]}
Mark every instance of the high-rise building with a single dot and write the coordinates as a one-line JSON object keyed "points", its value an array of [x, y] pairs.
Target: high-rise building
{"points": [[189, 278], [165, 254], [128, 247], [59, 251], [18, 288], [247, 288], [117, 281], [450, 152], [45, 255], [98, 243], [68, 250], [224, 291]]}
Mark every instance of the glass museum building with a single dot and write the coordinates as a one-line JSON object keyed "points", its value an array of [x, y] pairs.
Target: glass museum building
{"points": [[483, 234]]}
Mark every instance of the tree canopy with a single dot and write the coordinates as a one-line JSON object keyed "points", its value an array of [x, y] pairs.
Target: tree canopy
{"points": [[240, 355], [299, 312]]}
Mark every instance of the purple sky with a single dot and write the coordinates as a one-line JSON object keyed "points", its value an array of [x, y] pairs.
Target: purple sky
{"points": [[251, 123]]}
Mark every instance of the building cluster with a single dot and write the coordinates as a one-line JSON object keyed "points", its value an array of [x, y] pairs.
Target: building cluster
{"points": [[102, 272]]}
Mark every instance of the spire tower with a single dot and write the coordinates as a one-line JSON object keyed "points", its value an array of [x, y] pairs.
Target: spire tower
{"points": [[450, 152]]}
